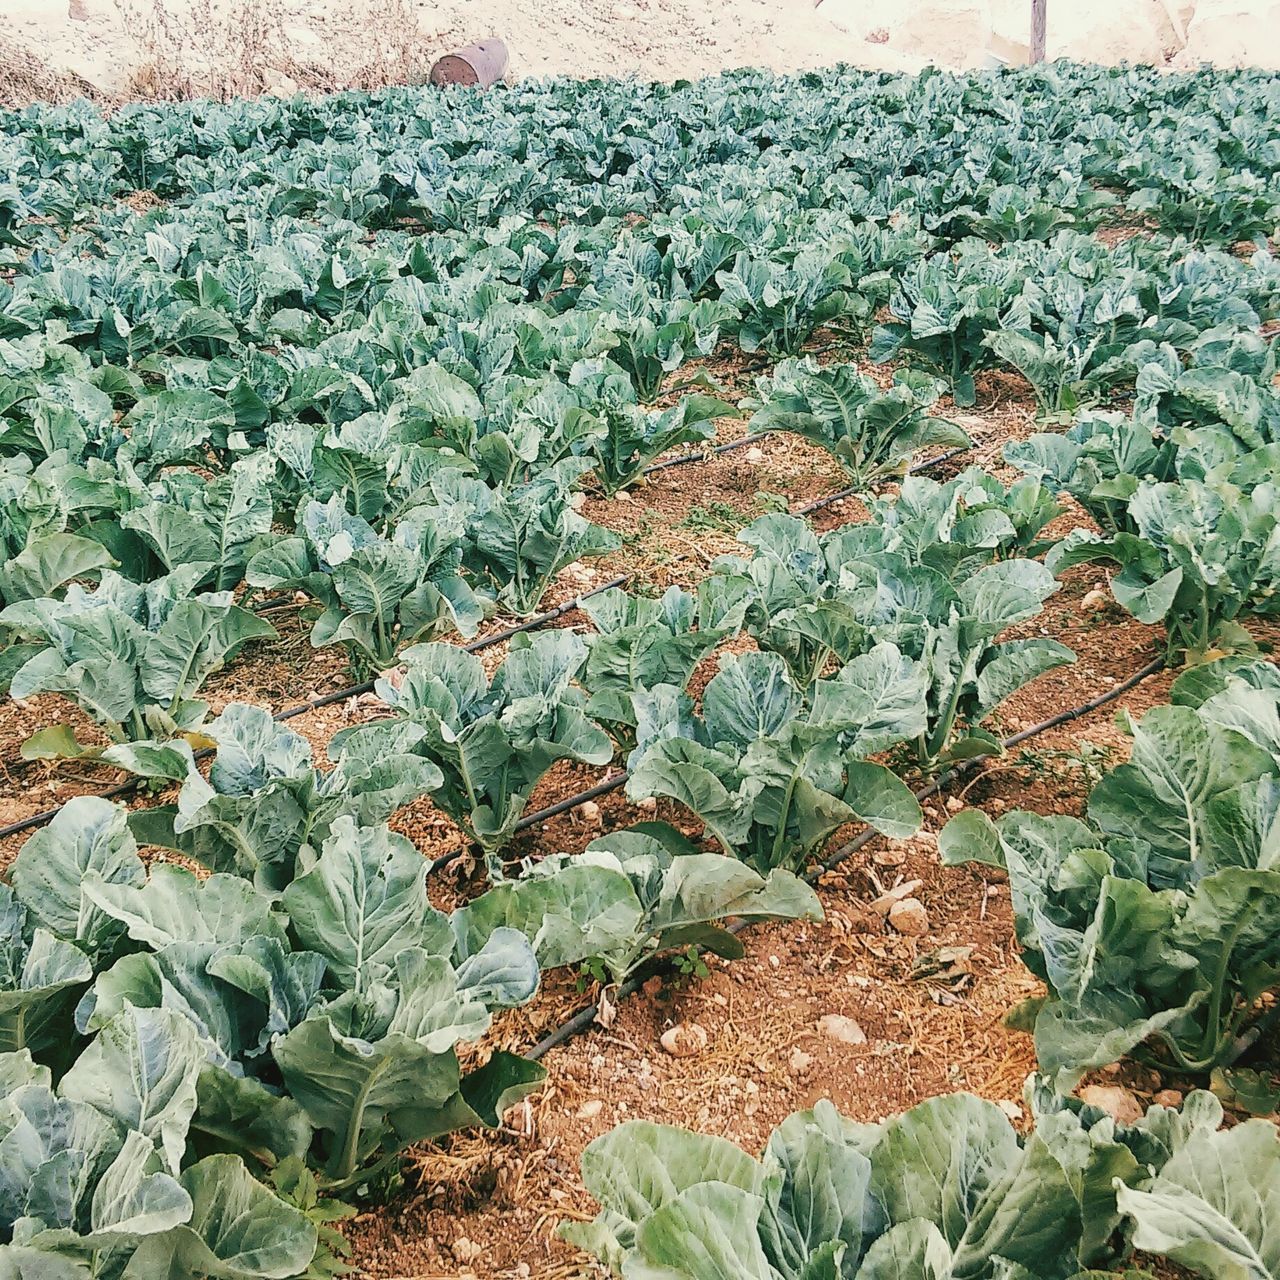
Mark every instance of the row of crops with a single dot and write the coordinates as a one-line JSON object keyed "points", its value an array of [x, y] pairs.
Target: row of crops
{"points": [[371, 351]]}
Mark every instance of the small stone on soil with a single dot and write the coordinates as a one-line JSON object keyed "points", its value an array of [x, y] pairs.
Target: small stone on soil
{"points": [[909, 917], [886, 901], [835, 1026], [1118, 1103], [1168, 1098], [590, 1109], [684, 1040]]}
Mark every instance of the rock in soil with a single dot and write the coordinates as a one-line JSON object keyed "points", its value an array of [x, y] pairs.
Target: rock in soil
{"points": [[799, 1062], [1168, 1098], [1118, 1103], [885, 902], [835, 1026], [909, 917], [684, 1040]]}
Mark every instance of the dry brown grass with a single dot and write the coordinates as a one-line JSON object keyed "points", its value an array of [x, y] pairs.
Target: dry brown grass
{"points": [[239, 48], [24, 79]]}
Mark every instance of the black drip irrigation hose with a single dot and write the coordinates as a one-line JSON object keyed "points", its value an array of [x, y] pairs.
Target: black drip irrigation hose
{"points": [[705, 455], [341, 695], [585, 1018], [567, 805], [572, 802], [818, 504]]}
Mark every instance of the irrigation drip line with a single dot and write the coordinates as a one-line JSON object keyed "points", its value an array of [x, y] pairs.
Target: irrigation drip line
{"points": [[584, 1018], [341, 695], [366, 686], [571, 802], [485, 642], [818, 504], [705, 455]]}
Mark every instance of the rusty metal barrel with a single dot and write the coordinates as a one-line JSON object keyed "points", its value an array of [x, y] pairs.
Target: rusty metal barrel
{"points": [[480, 64]]}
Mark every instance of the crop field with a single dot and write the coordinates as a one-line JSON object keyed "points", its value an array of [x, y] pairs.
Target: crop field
{"points": [[673, 681]]}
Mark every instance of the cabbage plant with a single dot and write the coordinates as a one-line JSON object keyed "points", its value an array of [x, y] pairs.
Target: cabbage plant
{"points": [[92, 1179], [322, 1022], [873, 433], [491, 740], [630, 898], [1152, 922], [948, 1189], [639, 643], [264, 799], [771, 777], [378, 595], [131, 656], [1202, 554]]}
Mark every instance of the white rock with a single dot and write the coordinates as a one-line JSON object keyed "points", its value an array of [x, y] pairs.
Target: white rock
{"points": [[835, 1026], [799, 1062], [909, 917], [754, 456], [886, 901], [590, 1109], [684, 1040], [1118, 1103], [465, 1250]]}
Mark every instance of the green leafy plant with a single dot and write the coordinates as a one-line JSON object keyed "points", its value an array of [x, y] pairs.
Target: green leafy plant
{"points": [[519, 539], [942, 313], [297, 1186], [321, 1022], [780, 306], [119, 1118], [1152, 921], [1100, 462], [264, 799], [1201, 555], [946, 1189], [967, 669], [771, 778], [492, 741], [640, 643], [378, 595], [874, 434], [632, 897], [656, 339], [131, 656], [635, 436]]}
